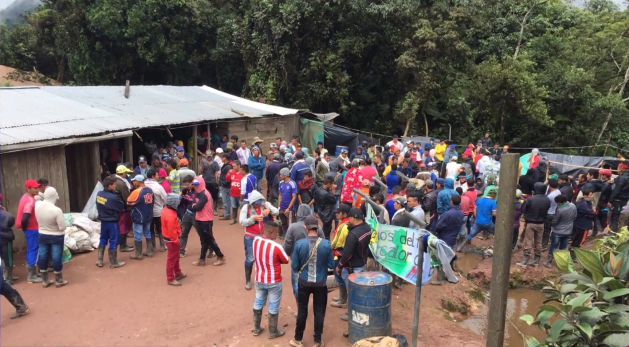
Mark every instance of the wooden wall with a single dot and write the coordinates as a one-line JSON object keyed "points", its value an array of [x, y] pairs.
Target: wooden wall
{"points": [[17, 167], [83, 171], [266, 128]]}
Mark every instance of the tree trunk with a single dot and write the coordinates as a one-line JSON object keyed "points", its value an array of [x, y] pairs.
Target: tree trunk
{"points": [[61, 69], [610, 115], [425, 120], [408, 126], [219, 77]]}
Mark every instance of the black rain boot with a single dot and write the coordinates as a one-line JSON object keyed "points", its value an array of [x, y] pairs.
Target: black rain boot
{"points": [[536, 260], [123, 244], [113, 259], [138, 251], [257, 320], [248, 270], [440, 277], [162, 244], [525, 261], [273, 331], [234, 217], [10, 278], [342, 302], [31, 275], [20, 306], [549, 261], [459, 245], [44, 277], [59, 281], [150, 247], [101, 255]]}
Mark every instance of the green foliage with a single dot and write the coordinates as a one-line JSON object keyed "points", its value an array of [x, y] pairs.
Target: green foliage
{"points": [[588, 308], [518, 69]]}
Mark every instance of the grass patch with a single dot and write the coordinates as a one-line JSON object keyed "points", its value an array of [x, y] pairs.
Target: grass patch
{"points": [[477, 294], [452, 306]]}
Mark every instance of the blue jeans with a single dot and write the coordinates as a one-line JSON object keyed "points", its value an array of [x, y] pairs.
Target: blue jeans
{"points": [[463, 231], [50, 245], [345, 274], [478, 228], [226, 201], [235, 202], [558, 242], [32, 246], [338, 278], [273, 292], [139, 229], [109, 233], [294, 281], [259, 184], [248, 251]]}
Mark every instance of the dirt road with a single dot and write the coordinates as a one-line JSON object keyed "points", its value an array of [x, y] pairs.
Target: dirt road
{"points": [[133, 306]]}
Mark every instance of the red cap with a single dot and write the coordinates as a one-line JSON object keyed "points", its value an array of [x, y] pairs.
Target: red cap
{"points": [[31, 184], [605, 172], [469, 145], [623, 166]]}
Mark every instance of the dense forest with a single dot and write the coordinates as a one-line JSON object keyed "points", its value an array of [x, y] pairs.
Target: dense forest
{"points": [[540, 73]]}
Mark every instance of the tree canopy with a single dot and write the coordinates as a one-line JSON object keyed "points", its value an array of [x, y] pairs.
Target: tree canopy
{"points": [[540, 73]]}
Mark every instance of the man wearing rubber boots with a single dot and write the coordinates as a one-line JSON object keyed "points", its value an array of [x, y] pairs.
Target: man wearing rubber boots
{"points": [[109, 206]]}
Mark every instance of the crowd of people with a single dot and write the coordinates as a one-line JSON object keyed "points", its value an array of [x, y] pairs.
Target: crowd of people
{"points": [[311, 203]]}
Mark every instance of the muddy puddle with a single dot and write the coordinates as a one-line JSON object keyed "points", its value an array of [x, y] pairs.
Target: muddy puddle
{"points": [[466, 262], [520, 302]]}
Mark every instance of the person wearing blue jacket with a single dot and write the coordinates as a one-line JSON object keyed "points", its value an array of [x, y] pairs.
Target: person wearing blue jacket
{"points": [[256, 166], [359, 154], [448, 228], [299, 168], [392, 178], [312, 276], [109, 206], [445, 196], [141, 199]]}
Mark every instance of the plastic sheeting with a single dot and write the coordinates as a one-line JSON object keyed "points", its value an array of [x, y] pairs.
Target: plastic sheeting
{"points": [[337, 136], [311, 133], [90, 206], [576, 164]]}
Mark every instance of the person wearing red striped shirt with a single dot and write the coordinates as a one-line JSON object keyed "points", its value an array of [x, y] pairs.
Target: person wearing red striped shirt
{"points": [[269, 257]]}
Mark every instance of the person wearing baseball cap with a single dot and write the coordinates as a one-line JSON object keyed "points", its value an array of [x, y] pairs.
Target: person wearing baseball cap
{"points": [[338, 243], [312, 272], [26, 220], [398, 218], [123, 188], [619, 196], [142, 167], [356, 247], [141, 200]]}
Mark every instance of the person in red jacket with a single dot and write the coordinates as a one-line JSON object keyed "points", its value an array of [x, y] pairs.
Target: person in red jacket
{"points": [[171, 230]]}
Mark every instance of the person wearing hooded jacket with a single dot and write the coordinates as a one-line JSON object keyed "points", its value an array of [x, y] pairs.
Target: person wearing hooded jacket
{"points": [[296, 232], [7, 221], [172, 230], [51, 235], [445, 196], [252, 215], [325, 202], [535, 211], [358, 154], [204, 218]]}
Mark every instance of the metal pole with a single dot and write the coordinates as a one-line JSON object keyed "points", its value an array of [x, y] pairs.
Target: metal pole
{"points": [[418, 290], [414, 218], [502, 251], [379, 182], [373, 204], [402, 176], [449, 132]]}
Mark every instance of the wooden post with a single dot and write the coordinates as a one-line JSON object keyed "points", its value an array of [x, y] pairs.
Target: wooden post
{"points": [[418, 291], [127, 89], [195, 140], [128, 149], [502, 251]]}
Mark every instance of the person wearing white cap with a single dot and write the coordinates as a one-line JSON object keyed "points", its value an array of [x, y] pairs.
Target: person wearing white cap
{"points": [[218, 157], [141, 199]]}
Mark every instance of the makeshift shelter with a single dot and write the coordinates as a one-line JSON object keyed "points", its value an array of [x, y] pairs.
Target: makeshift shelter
{"points": [[337, 136]]}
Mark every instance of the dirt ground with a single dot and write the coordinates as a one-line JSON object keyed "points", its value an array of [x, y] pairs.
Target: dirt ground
{"points": [[133, 306]]}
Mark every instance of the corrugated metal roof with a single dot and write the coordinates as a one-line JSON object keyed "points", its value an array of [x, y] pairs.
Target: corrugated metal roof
{"points": [[55, 112]]}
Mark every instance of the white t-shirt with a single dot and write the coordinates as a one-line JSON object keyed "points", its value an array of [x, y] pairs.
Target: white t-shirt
{"points": [[399, 145], [452, 169]]}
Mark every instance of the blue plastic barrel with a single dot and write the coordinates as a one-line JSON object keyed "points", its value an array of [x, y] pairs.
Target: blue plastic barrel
{"points": [[339, 149], [369, 305]]}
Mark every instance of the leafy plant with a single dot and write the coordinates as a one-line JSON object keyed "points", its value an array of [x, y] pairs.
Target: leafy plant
{"points": [[590, 308]]}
